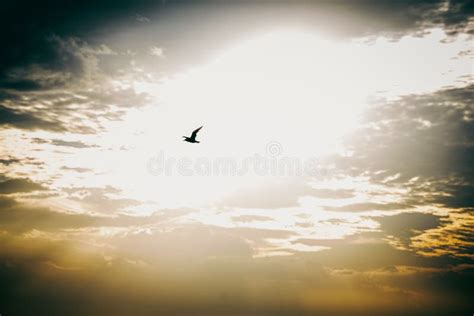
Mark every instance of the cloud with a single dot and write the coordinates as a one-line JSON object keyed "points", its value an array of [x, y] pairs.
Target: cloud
{"points": [[23, 161], [18, 217], [402, 227], [74, 144], [356, 239], [251, 218], [423, 143], [280, 194], [71, 61], [203, 20], [9, 161], [62, 143], [405, 224], [76, 109], [436, 130], [57, 77], [109, 280], [77, 169], [142, 19], [332, 193], [59, 74], [6, 202], [16, 118], [268, 196], [157, 51], [101, 200], [453, 194], [367, 206], [191, 242], [454, 237], [19, 185], [72, 91]]}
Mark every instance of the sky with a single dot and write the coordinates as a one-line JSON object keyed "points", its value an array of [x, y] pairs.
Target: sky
{"points": [[334, 173]]}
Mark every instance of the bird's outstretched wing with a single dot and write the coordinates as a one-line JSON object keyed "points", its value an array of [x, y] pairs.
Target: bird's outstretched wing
{"points": [[193, 135]]}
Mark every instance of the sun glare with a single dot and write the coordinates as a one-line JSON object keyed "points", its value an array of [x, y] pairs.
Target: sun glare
{"points": [[248, 88], [245, 93]]}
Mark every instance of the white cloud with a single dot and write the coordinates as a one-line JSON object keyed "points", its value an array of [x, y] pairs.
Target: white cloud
{"points": [[157, 51], [142, 19]]}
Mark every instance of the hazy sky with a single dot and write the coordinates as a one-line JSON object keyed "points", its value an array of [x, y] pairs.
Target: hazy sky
{"points": [[335, 172]]}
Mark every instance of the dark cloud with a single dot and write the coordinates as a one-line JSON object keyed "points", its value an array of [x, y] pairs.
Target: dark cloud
{"points": [[34, 40], [419, 236], [10, 186], [406, 225], [192, 242], [74, 144], [74, 109], [77, 169], [9, 161], [422, 142], [79, 19], [69, 61], [18, 217], [6, 202], [71, 93], [365, 238], [196, 242], [52, 74], [23, 120], [353, 251], [454, 237], [62, 143], [435, 130], [52, 275], [452, 194], [368, 206]]}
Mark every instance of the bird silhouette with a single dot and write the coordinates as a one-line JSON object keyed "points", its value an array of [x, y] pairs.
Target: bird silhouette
{"points": [[192, 139]]}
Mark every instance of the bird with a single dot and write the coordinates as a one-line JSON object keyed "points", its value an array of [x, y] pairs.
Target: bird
{"points": [[192, 139]]}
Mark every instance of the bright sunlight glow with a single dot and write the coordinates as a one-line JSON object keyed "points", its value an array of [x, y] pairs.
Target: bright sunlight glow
{"points": [[242, 98]]}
